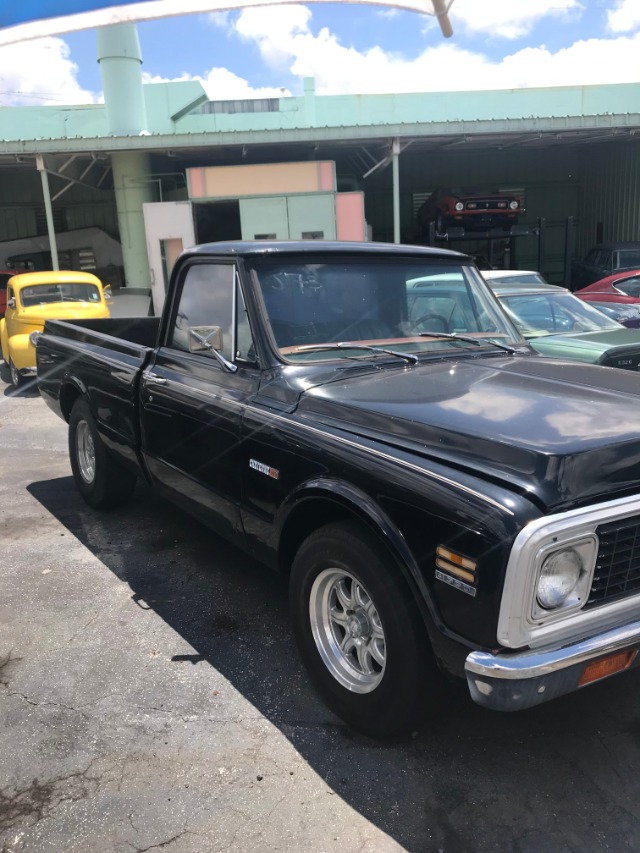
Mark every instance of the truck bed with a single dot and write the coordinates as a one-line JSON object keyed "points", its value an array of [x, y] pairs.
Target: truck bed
{"points": [[103, 360], [131, 335]]}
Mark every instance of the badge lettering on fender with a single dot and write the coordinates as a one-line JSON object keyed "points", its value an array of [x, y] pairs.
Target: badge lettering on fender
{"points": [[274, 473], [454, 582]]}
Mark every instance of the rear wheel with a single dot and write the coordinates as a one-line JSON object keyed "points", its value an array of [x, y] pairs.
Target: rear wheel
{"points": [[359, 631], [101, 479]]}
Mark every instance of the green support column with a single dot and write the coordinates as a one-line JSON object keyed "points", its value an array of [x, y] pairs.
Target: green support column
{"points": [[395, 156], [51, 231], [120, 61], [132, 188]]}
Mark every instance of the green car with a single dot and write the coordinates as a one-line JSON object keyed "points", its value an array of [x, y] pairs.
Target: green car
{"points": [[557, 323]]}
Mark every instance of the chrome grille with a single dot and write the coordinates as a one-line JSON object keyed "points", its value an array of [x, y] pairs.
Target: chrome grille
{"points": [[617, 572]]}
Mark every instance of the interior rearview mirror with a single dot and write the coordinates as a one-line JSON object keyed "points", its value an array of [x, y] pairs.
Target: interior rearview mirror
{"points": [[205, 338]]}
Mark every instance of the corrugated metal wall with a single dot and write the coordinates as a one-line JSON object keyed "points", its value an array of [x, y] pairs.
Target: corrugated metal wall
{"points": [[609, 194], [22, 207], [598, 182]]}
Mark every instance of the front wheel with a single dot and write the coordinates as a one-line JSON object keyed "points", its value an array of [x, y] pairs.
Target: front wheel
{"points": [[17, 378], [359, 631], [101, 479]]}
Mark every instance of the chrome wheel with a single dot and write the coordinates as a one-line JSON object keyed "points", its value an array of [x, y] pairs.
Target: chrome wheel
{"points": [[86, 452], [347, 630]]}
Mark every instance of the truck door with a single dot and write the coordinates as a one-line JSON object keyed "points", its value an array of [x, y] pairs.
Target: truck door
{"points": [[192, 402]]}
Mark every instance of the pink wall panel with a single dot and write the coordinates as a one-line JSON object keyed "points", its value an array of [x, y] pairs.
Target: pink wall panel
{"points": [[258, 179], [350, 224], [327, 180], [196, 183]]}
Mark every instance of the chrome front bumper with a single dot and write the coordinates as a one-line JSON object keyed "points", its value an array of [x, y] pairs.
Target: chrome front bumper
{"points": [[515, 681]]}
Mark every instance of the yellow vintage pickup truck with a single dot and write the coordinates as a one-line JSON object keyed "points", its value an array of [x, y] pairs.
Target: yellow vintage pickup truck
{"points": [[34, 297]]}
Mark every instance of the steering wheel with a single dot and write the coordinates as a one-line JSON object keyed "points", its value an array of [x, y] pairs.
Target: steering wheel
{"points": [[438, 318]]}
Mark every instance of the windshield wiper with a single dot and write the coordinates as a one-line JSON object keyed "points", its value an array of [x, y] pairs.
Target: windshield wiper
{"points": [[407, 356], [452, 336]]}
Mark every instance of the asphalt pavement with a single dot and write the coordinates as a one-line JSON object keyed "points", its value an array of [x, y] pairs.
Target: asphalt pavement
{"points": [[151, 698]]}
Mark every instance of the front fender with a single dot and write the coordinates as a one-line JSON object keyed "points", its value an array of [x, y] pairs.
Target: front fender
{"points": [[21, 351], [4, 344], [362, 506]]}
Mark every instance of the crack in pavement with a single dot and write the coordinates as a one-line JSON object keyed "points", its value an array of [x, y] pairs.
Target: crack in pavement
{"points": [[37, 704]]}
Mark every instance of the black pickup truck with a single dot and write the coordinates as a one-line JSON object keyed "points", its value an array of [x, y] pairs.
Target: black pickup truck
{"points": [[366, 419]]}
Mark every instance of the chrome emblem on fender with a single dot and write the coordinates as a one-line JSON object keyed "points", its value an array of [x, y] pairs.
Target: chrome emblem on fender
{"points": [[274, 473]]}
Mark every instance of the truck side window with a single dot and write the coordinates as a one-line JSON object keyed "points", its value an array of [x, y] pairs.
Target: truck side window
{"points": [[206, 299]]}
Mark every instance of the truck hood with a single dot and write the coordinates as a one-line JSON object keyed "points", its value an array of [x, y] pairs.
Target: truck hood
{"points": [[562, 433]]}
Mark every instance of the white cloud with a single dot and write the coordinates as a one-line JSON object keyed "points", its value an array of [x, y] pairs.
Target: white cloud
{"points": [[625, 17], [219, 19], [277, 30], [221, 84], [285, 40], [508, 18], [40, 72]]}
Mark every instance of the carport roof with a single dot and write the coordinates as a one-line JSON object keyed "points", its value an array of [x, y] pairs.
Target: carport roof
{"points": [[526, 118], [359, 128]]}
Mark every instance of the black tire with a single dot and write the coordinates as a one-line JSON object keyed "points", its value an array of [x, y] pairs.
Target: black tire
{"points": [[106, 484], [398, 691], [17, 379]]}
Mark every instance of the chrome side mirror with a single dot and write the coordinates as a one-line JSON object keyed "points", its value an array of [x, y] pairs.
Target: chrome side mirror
{"points": [[205, 338], [12, 302]]}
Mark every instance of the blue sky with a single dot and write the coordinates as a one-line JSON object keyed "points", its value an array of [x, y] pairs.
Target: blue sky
{"points": [[350, 48]]}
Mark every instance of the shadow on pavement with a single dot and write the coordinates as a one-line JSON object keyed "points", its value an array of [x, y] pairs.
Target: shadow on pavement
{"points": [[562, 777], [29, 388]]}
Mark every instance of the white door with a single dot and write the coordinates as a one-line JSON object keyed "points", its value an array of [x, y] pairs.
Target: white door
{"points": [[170, 230]]}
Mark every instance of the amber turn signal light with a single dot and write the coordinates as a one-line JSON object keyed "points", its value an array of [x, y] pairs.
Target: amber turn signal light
{"points": [[607, 666]]}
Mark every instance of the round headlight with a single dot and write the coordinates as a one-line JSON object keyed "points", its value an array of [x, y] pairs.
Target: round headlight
{"points": [[513, 205], [33, 338], [558, 578], [459, 205]]}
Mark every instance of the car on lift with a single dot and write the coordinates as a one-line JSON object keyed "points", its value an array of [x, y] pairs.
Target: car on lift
{"points": [[472, 210], [557, 323], [604, 261], [35, 297]]}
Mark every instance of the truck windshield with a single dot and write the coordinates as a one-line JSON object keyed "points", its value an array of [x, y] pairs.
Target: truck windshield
{"points": [[394, 303], [40, 294]]}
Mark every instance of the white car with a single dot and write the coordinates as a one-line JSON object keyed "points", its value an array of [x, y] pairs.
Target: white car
{"points": [[515, 277]]}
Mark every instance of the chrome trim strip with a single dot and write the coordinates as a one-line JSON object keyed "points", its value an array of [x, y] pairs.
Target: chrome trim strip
{"points": [[386, 456], [536, 663]]}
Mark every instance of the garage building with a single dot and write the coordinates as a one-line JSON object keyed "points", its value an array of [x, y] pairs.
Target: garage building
{"points": [[77, 180]]}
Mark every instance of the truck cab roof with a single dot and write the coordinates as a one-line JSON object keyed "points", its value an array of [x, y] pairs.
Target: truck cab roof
{"points": [[334, 247]]}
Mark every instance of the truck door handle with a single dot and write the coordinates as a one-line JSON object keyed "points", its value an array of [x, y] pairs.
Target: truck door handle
{"points": [[155, 379]]}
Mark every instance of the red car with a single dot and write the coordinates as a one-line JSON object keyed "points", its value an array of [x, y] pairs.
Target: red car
{"points": [[616, 295], [471, 210], [5, 275]]}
